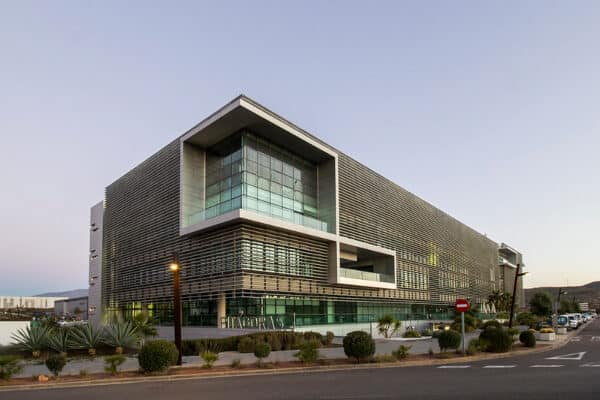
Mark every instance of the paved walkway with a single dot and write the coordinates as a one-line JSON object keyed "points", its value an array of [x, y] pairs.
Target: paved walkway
{"points": [[383, 346]]}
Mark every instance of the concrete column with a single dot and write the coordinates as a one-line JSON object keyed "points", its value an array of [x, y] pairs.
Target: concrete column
{"points": [[221, 310]]}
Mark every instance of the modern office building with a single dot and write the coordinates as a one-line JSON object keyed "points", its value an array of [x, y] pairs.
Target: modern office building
{"points": [[269, 221], [72, 307], [28, 303]]}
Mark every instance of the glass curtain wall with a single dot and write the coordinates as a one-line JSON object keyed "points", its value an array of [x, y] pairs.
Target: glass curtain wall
{"points": [[251, 173]]}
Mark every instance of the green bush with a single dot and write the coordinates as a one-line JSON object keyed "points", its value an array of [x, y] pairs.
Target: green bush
{"points": [[157, 355], [496, 340], [55, 363], [402, 352], [411, 334], [526, 318], [491, 322], [309, 352], [449, 340], [236, 363], [315, 336], [246, 345], [436, 334], [262, 350], [513, 331], [274, 341], [112, 363], [9, 366], [328, 338], [359, 345], [474, 347], [527, 338], [209, 358]]}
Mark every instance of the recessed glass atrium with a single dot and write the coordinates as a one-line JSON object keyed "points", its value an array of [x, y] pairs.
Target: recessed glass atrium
{"points": [[248, 172]]}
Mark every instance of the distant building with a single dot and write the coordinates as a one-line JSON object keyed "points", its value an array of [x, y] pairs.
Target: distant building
{"points": [[72, 307], [39, 303], [584, 307]]}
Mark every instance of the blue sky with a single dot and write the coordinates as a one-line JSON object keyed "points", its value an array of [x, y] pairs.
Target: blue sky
{"points": [[488, 110]]}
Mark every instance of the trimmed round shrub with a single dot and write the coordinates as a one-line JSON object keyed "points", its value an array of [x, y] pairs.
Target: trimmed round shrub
{"points": [[262, 350], [449, 340], [157, 355], [246, 345], [491, 323], [359, 345], [55, 363], [527, 338], [496, 340]]}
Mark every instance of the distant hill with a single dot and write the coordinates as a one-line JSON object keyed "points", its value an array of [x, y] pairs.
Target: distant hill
{"points": [[589, 293], [68, 293]]}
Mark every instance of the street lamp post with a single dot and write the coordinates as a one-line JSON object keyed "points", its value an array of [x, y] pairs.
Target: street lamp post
{"points": [[175, 268], [514, 295]]}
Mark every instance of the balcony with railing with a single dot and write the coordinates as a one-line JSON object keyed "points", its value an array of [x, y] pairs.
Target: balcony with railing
{"points": [[365, 276]]}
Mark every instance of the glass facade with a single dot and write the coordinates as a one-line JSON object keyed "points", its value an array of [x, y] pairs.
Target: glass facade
{"points": [[249, 172]]}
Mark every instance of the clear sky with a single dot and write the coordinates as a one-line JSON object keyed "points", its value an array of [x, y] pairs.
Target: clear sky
{"points": [[488, 110]]}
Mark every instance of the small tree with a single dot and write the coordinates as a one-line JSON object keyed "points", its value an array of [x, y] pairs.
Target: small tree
{"points": [[145, 326], [387, 326], [112, 363], [55, 363], [9, 366], [526, 318], [262, 350], [541, 304], [359, 345]]}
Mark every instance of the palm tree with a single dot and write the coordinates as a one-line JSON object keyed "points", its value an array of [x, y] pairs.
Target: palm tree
{"points": [[144, 326], [59, 340], [87, 337], [33, 339], [120, 334], [387, 325]]}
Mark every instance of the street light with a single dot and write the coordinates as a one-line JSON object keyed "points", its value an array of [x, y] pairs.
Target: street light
{"points": [[512, 303], [175, 267]]}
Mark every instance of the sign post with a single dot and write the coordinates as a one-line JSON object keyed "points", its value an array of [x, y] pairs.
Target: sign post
{"points": [[462, 306]]}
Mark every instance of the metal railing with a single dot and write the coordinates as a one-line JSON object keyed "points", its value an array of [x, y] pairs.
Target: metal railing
{"points": [[366, 276]]}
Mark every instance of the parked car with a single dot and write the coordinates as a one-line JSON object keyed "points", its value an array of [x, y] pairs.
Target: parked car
{"points": [[563, 320], [573, 322]]}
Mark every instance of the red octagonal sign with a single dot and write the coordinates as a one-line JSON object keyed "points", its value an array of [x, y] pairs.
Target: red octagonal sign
{"points": [[461, 305]]}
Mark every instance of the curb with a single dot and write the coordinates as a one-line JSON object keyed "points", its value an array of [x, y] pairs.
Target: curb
{"points": [[292, 370]]}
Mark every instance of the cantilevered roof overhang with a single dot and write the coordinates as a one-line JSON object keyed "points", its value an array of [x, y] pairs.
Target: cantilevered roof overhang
{"points": [[244, 113]]}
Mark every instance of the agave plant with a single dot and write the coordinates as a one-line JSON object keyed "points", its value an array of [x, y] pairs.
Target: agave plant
{"points": [[120, 334], [87, 337], [33, 339], [59, 340]]}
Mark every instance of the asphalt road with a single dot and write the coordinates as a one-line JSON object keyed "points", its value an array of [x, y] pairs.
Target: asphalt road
{"points": [[575, 374]]}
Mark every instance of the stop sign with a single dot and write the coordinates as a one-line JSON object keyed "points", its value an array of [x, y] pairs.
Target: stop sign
{"points": [[461, 305]]}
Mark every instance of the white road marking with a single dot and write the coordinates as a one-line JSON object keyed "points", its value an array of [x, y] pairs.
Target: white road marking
{"points": [[547, 366], [454, 366], [576, 339], [571, 356], [595, 338], [591, 365], [499, 366]]}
